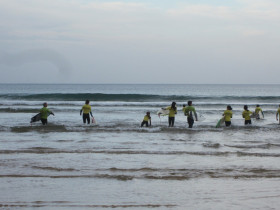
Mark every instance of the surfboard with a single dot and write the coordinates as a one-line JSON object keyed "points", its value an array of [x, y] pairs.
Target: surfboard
{"points": [[199, 116], [162, 112], [257, 116], [93, 121], [36, 118], [254, 115], [220, 122]]}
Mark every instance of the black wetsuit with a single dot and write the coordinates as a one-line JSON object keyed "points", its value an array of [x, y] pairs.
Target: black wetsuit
{"points": [[146, 123], [171, 121], [86, 118]]}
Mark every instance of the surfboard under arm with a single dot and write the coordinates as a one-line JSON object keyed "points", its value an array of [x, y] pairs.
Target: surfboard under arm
{"points": [[162, 112], [220, 122], [195, 114], [37, 117]]}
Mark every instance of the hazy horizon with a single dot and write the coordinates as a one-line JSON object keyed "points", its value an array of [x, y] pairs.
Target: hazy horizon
{"points": [[134, 84]]}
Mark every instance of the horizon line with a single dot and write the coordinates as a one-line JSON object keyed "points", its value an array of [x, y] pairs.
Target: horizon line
{"points": [[14, 83]]}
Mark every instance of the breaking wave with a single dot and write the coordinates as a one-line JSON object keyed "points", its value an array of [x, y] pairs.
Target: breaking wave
{"points": [[129, 97]]}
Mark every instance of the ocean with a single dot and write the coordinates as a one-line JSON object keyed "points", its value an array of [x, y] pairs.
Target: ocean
{"points": [[117, 164]]}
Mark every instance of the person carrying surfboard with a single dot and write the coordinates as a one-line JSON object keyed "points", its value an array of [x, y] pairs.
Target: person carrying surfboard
{"points": [[45, 112], [246, 114], [258, 110], [278, 114], [228, 115], [172, 112], [86, 110], [147, 120], [189, 112]]}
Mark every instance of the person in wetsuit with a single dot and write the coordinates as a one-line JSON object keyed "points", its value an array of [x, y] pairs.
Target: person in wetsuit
{"points": [[172, 112], [278, 114], [190, 112], [258, 111], [86, 110], [45, 112], [147, 121], [228, 115], [246, 114]]}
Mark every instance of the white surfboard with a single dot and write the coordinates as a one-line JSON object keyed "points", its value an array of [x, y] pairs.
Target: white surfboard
{"points": [[260, 116], [200, 117], [163, 112]]}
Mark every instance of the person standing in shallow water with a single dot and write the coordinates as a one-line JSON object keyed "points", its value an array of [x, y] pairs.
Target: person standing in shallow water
{"points": [[246, 115], [86, 110], [278, 114], [45, 112], [228, 115], [189, 111], [172, 112], [259, 111]]}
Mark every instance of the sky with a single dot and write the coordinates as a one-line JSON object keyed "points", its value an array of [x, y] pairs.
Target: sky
{"points": [[140, 41]]}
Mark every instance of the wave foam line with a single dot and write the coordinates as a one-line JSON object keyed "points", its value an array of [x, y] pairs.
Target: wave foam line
{"points": [[114, 152], [59, 204], [132, 152], [162, 174], [48, 168], [129, 97]]}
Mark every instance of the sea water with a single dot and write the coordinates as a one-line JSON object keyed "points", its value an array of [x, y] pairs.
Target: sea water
{"points": [[115, 163]]}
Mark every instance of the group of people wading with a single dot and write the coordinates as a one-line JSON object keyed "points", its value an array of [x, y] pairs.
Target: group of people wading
{"points": [[191, 114], [188, 110]]}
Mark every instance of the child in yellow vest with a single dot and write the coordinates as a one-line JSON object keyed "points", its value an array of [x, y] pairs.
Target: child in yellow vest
{"points": [[259, 111], [246, 115], [147, 120], [172, 112], [228, 116]]}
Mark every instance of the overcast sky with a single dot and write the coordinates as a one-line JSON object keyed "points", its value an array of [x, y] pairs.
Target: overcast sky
{"points": [[139, 41]]}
